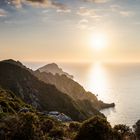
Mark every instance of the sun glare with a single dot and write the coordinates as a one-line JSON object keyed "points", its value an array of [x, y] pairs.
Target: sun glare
{"points": [[98, 41]]}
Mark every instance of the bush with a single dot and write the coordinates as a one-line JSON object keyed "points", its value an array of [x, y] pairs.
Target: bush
{"points": [[56, 133], [121, 131], [2, 114], [137, 129], [74, 126], [23, 126], [27, 128], [47, 125], [8, 127], [96, 128]]}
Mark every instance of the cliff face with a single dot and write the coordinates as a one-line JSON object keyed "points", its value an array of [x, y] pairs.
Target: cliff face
{"points": [[39, 94], [73, 89]]}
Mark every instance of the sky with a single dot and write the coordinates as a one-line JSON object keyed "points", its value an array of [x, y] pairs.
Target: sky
{"points": [[70, 30]]}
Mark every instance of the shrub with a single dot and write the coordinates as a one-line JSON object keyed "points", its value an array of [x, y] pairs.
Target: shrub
{"points": [[96, 128], [2, 114], [121, 131], [47, 125], [27, 127], [74, 126], [137, 129], [57, 133]]}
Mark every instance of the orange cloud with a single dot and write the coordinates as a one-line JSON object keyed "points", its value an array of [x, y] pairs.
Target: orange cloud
{"points": [[43, 3]]}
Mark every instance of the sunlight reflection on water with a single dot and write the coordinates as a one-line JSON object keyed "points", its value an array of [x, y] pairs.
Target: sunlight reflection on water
{"points": [[97, 80], [113, 83], [118, 83]]}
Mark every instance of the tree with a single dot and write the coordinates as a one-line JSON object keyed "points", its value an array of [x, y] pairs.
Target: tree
{"points": [[122, 131], [137, 129]]}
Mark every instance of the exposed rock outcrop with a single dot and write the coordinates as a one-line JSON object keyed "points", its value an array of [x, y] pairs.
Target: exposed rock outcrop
{"points": [[54, 69]]}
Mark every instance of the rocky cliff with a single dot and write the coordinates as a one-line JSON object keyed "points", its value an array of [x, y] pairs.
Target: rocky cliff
{"points": [[54, 69]]}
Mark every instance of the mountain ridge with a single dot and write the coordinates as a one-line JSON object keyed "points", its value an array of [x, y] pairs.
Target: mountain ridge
{"points": [[39, 94], [54, 69], [71, 88]]}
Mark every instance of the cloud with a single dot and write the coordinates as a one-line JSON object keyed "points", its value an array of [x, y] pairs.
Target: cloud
{"points": [[59, 5], [115, 7], [64, 11], [42, 3], [83, 11], [83, 24], [17, 3], [97, 1], [3, 13], [121, 11], [127, 13], [83, 21]]}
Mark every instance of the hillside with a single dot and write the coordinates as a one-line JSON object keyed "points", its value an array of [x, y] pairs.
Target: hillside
{"points": [[10, 104], [73, 89], [32, 125], [40, 95]]}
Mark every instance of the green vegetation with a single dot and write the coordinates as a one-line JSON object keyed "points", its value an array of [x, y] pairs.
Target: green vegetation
{"points": [[32, 125], [95, 128], [121, 132], [137, 129], [10, 104]]}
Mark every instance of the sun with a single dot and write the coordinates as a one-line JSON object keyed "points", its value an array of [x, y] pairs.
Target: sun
{"points": [[98, 41]]}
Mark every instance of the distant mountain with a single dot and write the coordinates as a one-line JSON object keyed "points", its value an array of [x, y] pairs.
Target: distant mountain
{"points": [[54, 69], [67, 85], [11, 61], [18, 63], [39, 94]]}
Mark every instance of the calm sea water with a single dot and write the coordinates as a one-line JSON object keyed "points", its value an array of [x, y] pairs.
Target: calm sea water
{"points": [[118, 83]]}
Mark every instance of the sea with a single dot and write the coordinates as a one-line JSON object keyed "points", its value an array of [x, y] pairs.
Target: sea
{"points": [[110, 82]]}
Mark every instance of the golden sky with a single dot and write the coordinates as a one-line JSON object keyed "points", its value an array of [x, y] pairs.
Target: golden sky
{"points": [[70, 31]]}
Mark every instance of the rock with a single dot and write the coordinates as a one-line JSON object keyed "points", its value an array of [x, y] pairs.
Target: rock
{"points": [[54, 69], [24, 110], [59, 116], [53, 113]]}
